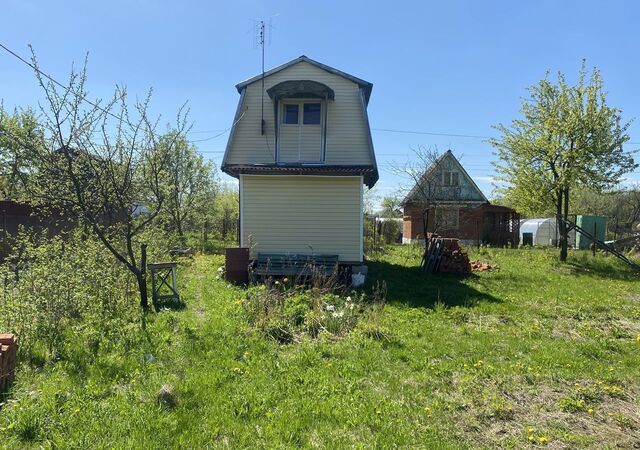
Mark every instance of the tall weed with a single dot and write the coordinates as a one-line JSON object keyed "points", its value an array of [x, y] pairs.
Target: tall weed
{"points": [[65, 295]]}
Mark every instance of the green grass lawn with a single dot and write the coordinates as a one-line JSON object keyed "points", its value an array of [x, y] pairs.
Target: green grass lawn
{"points": [[533, 354]]}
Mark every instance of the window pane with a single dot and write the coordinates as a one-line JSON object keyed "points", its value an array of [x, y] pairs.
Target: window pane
{"points": [[311, 114], [290, 114], [454, 178]]}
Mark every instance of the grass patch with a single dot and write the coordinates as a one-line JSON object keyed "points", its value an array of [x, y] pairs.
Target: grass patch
{"points": [[536, 353]]}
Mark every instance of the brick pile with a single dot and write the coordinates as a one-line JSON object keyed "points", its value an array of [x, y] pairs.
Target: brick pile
{"points": [[479, 266], [8, 356]]}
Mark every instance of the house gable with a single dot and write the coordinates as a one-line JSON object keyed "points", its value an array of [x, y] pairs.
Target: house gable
{"points": [[342, 137], [450, 184]]}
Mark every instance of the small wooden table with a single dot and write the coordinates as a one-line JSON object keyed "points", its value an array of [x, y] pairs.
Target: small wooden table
{"points": [[160, 273]]}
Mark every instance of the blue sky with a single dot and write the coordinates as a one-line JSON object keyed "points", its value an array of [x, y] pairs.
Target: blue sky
{"points": [[454, 67]]}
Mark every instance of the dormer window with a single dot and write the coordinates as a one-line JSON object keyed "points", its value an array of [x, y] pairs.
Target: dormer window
{"points": [[450, 178], [301, 131], [311, 113], [290, 115], [301, 125]]}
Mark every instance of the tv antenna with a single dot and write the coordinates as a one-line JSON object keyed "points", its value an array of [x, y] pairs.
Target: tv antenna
{"points": [[262, 37]]}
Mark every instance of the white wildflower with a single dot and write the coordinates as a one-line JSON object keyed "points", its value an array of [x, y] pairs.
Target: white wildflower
{"points": [[330, 308], [349, 298], [338, 314]]}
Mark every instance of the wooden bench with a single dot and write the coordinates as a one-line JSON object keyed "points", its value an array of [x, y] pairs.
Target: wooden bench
{"points": [[278, 264]]}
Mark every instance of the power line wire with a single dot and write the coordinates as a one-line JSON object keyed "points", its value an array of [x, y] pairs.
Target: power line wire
{"points": [[472, 136], [95, 105]]}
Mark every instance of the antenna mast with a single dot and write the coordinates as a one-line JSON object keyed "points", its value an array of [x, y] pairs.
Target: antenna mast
{"points": [[261, 41]]}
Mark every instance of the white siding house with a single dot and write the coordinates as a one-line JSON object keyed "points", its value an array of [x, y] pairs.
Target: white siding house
{"points": [[301, 147]]}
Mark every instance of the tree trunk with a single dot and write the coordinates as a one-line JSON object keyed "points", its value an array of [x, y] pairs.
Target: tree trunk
{"points": [[181, 237], [425, 224], [560, 225], [425, 228], [141, 278], [564, 232], [224, 225]]}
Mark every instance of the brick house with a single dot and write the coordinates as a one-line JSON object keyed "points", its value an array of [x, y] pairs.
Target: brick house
{"points": [[458, 208]]}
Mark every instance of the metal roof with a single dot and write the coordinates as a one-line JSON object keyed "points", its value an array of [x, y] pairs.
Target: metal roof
{"points": [[369, 172], [434, 166], [365, 85]]}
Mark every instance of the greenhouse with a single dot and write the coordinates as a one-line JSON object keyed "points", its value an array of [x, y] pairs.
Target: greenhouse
{"points": [[542, 232]]}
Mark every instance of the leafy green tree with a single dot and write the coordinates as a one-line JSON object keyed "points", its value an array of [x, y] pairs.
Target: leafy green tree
{"points": [[189, 183], [18, 132], [568, 138], [226, 212], [391, 207], [621, 206]]}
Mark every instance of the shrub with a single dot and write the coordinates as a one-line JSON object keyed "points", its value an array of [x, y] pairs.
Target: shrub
{"points": [[66, 297], [285, 312]]}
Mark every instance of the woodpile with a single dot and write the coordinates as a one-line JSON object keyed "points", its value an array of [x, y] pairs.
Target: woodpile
{"points": [[444, 255], [8, 355]]}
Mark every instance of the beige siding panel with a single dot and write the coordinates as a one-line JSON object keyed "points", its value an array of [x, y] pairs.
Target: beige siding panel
{"points": [[347, 135], [294, 214], [289, 139]]}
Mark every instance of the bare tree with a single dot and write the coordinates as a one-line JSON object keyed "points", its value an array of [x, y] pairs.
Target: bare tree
{"points": [[101, 161], [423, 184]]}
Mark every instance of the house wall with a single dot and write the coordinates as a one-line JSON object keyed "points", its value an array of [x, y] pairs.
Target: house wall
{"points": [[469, 224], [474, 225], [302, 214], [347, 134]]}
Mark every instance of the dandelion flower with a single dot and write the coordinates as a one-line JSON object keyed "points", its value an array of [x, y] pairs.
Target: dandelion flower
{"points": [[531, 430], [543, 439], [590, 410], [530, 437]]}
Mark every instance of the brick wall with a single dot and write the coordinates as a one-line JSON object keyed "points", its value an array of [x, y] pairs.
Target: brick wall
{"points": [[8, 356], [495, 225], [469, 224]]}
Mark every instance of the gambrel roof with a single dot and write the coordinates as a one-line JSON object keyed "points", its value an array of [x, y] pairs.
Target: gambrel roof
{"points": [[473, 193], [334, 86], [365, 85]]}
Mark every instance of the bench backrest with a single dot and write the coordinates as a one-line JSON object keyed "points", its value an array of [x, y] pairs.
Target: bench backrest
{"points": [[279, 260]]}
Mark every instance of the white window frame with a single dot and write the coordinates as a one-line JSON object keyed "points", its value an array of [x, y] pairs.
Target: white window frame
{"points": [[281, 123]]}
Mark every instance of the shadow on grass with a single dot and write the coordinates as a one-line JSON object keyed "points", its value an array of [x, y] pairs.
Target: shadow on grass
{"points": [[172, 304], [608, 267], [413, 287]]}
